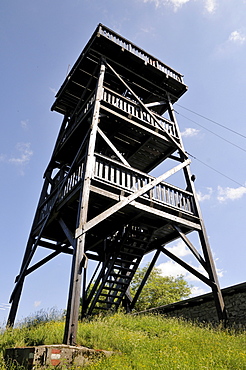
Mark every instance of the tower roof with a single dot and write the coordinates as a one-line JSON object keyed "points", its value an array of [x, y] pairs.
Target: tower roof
{"points": [[125, 56]]}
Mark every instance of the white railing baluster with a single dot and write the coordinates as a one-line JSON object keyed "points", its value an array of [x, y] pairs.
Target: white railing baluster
{"points": [[117, 176], [140, 53], [125, 178]]}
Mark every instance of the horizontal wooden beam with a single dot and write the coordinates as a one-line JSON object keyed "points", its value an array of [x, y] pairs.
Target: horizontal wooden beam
{"points": [[160, 133], [149, 209]]}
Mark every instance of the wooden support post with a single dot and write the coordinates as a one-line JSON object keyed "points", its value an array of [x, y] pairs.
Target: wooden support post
{"points": [[150, 268], [210, 266], [76, 273]]}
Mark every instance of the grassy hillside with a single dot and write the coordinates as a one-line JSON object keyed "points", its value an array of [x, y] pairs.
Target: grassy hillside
{"points": [[143, 342]]}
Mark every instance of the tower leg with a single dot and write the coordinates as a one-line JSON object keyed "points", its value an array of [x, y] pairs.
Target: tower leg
{"points": [[15, 304], [218, 298], [71, 325], [211, 270], [76, 274]]}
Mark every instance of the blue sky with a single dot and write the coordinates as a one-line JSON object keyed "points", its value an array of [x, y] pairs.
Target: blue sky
{"points": [[40, 40]]}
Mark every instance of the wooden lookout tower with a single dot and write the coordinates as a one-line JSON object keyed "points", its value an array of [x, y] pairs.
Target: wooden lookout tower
{"points": [[99, 201]]}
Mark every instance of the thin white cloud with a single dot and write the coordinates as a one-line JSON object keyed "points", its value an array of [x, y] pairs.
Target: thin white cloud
{"points": [[25, 154], [178, 3], [179, 249], [2, 158], [210, 6], [24, 124], [233, 43], [175, 3], [54, 91], [195, 291], [227, 193], [171, 268], [190, 132], [202, 197], [37, 303], [237, 37]]}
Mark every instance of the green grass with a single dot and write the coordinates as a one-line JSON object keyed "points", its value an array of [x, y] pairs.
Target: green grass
{"points": [[142, 342]]}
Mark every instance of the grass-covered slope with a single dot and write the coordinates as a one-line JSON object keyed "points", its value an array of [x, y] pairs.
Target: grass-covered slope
{"points": [[143, 342]]}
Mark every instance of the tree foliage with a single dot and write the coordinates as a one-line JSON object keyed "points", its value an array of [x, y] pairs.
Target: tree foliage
{"points": [[159, 290]]}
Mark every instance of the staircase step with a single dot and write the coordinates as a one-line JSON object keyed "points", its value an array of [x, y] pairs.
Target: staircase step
{"points": [[120, 276], [116, 282], [132, 247], [127, 249], [111, 295], [126, 261], [106, 302], [100, 308], [115, 289], [138, 240], [131, 254], [119, 267]]}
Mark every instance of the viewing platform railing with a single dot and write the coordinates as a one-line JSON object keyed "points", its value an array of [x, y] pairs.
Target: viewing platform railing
{"points": [[147, 58], [137, 111], [122, 177], [128, 107]]}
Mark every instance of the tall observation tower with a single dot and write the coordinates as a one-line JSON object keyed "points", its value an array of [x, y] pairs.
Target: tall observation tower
{"points": [[99, 200]]}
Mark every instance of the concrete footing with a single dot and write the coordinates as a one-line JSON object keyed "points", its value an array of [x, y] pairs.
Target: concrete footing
{"points": [[61, 356]]}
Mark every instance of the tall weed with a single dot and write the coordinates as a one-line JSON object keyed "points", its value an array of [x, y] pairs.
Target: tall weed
{"points": [[142, 342]]}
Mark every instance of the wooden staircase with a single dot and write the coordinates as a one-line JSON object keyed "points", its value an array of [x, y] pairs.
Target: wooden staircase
{"points": [[125, 251]]}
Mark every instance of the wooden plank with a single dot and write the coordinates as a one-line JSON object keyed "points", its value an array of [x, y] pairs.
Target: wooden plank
{"points": [[167, 216], [149, 209]]}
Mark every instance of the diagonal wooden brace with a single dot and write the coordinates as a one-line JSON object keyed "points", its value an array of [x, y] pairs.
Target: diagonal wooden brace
{"points": [[189, 268], [169, 137], [191, 247], [111, 145], [126, 200]]}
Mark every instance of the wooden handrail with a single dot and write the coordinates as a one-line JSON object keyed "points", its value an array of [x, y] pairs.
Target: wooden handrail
{"points": [[126, 178], [135, 110], [140, 53]]}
